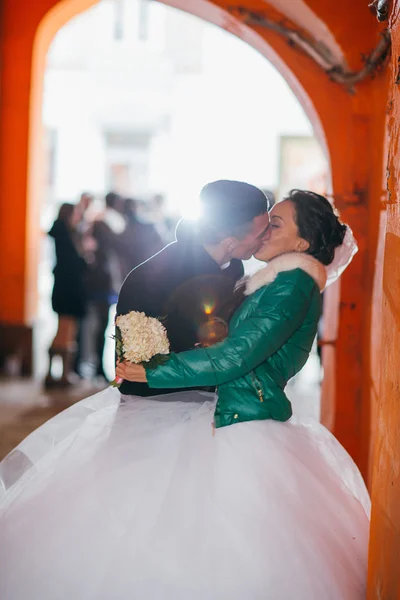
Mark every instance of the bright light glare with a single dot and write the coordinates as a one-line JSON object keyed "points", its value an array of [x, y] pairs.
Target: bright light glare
{"points": [[191, 210]]}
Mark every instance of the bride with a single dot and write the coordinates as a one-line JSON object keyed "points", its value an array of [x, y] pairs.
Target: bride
{"points": [[197, 496]]}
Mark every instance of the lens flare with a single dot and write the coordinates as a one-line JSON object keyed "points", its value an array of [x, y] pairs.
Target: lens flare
{"points": [[208, 308], [213, 331]]}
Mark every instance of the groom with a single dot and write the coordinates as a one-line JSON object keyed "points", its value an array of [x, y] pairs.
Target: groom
{"points": [[190, 280]]}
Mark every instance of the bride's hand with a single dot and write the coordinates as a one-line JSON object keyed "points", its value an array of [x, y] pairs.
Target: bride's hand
{"points": [[131, 372]]}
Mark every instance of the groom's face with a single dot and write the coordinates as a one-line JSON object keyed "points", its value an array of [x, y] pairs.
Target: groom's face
{"points": [[250, 244]]}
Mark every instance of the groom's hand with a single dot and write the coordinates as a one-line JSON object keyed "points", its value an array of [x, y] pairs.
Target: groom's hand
{"points": [[131, 372]]}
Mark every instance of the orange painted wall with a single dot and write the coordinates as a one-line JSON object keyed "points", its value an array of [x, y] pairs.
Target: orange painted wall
{"points": [[384, 575], [14, 131], [21, 170]]}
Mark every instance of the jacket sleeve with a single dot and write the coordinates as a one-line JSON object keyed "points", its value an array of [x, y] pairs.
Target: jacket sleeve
{"points": [[279, 312]]}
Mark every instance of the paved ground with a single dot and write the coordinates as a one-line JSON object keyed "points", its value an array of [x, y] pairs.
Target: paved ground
{"points": [[24, 406]]}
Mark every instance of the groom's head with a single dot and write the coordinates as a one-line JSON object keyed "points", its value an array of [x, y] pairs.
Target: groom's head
{"points": [[234, 217]]}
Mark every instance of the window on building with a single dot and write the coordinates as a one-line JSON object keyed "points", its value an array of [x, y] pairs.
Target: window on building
{"points": [[128, 161], [144, 20], [184, 38], [119, 178], [118, 19]]}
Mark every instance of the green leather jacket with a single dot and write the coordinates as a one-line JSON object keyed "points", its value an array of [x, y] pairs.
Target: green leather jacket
{"points": [[269, 341]]}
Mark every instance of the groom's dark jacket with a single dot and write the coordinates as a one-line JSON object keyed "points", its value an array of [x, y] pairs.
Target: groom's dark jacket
{"points": [[182, 284]]}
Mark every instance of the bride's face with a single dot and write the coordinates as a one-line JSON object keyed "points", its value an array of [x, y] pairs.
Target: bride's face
{"points": [[282, 235]]}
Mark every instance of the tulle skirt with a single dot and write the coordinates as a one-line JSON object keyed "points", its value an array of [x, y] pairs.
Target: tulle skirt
{"points": [[138, 499]]}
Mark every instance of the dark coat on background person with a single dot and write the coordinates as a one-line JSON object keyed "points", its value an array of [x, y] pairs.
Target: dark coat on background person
{"points": [[105, 276], [69, 295], [183, 285], [139, 242]]}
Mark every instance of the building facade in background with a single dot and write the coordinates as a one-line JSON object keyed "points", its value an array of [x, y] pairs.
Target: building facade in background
{"points": [[144, 99]]}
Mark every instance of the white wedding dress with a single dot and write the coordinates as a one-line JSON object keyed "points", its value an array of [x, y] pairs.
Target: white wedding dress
{"points": [[141, 500]]}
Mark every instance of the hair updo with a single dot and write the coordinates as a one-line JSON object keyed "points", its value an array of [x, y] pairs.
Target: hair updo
{"points": [[317, 224]]}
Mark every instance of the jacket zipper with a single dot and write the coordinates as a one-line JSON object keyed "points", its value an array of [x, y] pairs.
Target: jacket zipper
{"points": [[257, 385]]}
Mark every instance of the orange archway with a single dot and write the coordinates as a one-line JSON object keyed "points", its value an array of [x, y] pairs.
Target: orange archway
{"points": [[50, 24], [346, 135]]}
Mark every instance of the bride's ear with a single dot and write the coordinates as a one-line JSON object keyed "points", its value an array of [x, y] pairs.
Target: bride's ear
{"points": [[302, 245]]}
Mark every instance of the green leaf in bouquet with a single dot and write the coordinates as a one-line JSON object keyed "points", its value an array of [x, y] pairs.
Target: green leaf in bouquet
{"points": [[119, 346], [162, 319], [157, 361], [115, 383]]}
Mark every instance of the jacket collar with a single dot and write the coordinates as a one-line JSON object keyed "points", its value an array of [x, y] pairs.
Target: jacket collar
{"points": [[287, 262]]}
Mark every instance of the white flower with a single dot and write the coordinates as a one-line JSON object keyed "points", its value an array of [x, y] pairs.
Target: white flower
{"points": [[142, 337]]}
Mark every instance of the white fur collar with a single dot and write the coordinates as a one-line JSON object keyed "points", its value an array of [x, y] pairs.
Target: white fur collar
{"points": [[287, 262]]}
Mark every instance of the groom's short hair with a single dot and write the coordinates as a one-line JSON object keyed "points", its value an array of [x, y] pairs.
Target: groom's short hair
{"points": [[228, 209]]}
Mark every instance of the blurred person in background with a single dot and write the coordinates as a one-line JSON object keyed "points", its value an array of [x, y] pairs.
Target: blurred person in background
{"points": [[140, 240], [83, 227], [164, 224], [131, 210], [84, 205], [69, 299], [106, 272]]}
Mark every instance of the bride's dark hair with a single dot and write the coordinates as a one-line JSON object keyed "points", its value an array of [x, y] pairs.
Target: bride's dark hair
{"points": [[317, 224]]}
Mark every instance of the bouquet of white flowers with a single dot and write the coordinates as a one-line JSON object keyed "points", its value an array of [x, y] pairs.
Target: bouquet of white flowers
{"points": [[140, 339]]}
